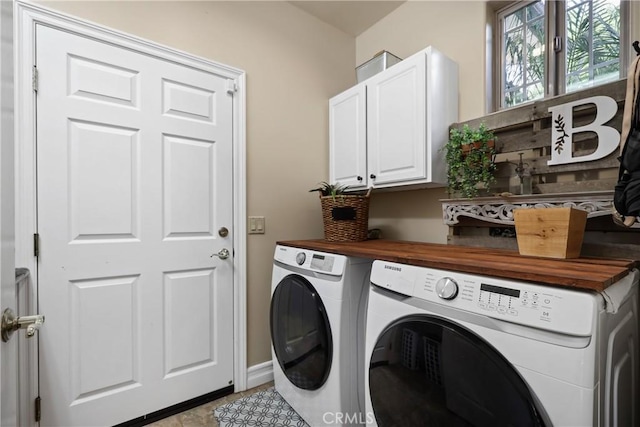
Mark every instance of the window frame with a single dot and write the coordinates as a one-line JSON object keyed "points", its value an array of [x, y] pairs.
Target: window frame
{"points": [[555, 62]]}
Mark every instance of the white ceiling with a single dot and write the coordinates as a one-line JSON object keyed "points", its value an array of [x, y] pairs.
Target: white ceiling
{"points": [[352, 17]]}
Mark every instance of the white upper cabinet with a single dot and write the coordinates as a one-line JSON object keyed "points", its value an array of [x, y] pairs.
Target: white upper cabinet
{"points": [[348, 138], [408, 110], [396, 114]]}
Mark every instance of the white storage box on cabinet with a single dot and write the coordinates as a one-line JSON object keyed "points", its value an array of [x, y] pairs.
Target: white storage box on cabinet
{"points": [[407, 113]]}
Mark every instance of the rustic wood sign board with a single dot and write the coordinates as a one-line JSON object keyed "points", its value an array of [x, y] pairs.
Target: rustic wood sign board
{"points": [[527, 129]]}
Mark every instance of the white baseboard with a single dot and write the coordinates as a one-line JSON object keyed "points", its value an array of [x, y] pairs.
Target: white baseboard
{"points": [[259, 374]]}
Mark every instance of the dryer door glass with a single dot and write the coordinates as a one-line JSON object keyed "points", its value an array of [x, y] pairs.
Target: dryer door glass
{"points": [[426, 371], [300, 333]]}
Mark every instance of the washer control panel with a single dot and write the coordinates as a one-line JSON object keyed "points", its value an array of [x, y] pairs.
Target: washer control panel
{"points": [[502, 300], [545, 307], [447, 288], [311, 260]]}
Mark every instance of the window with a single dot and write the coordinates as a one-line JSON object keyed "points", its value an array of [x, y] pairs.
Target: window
{"points": [[547, 48]]}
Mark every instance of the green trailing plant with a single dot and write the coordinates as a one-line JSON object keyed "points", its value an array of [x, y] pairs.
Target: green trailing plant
{"points": [[470, 156], [327, 189]]}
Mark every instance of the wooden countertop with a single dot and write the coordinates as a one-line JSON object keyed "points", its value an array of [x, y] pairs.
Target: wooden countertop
{"points": [[583, 273]]}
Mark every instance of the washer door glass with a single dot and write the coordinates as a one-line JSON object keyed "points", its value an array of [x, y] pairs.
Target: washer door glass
{"points": [[427, 371], [300, 333]]}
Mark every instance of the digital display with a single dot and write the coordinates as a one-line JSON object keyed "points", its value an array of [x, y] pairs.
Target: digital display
{"points": [[320, 262], [499, 290], [317, 261]]}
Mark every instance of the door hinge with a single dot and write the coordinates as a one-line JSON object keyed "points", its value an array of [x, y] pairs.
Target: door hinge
{"points": [[36, 244], [232, 86], [34, 78], [38, 411]]}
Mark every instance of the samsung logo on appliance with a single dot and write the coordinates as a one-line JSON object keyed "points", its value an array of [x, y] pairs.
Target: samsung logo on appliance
{"points": [[392, 267]]}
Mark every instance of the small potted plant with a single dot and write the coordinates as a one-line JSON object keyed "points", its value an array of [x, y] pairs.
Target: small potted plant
{"points": [[345, 216], [470, 156], [326, 189]]}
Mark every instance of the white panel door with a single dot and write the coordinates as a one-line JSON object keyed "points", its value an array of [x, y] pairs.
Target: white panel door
{"points": [[134, 165], [396, 114], [348, 138], [8, 350]]}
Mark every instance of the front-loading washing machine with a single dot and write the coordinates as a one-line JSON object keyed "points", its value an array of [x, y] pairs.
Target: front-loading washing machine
{"points": [[317, 333], [445, 348]]}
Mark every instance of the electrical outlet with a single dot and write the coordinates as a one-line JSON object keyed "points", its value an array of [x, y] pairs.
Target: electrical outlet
{"points": [[256, 225]]}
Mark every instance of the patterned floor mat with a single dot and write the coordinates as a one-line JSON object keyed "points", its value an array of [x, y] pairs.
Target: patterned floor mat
{"points": [[262, 409]]}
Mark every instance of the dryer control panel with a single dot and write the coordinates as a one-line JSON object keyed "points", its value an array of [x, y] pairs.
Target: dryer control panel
{"points": [[525, 303]]}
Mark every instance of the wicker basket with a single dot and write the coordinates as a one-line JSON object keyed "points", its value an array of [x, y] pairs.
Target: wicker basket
{"points": [[345, 217]]}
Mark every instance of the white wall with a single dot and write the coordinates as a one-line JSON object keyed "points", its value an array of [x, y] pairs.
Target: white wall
{"points": [[456, 28]]}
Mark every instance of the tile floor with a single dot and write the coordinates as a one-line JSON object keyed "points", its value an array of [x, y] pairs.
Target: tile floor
{"points": [[203, 415]]}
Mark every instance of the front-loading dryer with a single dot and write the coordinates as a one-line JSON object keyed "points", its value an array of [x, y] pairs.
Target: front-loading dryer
{"points": [[445, 348], [317, 333]]}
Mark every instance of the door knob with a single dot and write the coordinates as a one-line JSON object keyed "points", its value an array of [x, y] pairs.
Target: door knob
{"points": [[372, 176], [223, 254], [10, 323]]}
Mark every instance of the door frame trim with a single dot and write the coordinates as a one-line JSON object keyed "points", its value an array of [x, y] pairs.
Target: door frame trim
{"points": [[27, 15]]}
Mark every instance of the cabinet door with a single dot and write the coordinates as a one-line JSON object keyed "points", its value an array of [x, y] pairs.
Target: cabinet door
{"points": [[348, 138], [396, 114]]}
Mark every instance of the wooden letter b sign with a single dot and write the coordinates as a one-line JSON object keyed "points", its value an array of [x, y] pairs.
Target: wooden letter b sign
{"points": [[562, 130]]}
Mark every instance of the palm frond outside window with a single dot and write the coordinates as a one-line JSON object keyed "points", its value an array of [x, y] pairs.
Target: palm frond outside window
{"points": [[554, 47], [523, 55], [593, 43]]}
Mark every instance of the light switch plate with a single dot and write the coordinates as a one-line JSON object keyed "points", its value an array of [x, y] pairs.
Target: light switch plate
{"points": [[256, 225]]}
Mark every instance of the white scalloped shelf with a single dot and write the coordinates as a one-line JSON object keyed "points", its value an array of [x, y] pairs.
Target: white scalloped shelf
{"points": [[499, 210]]}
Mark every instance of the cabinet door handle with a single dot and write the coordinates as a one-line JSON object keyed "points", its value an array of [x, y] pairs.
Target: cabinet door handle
{"points": [[372, 176], [359, 178]]}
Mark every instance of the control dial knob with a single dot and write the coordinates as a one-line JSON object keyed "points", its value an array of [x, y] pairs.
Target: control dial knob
{"points": [[300, 258], [447, 288]]}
